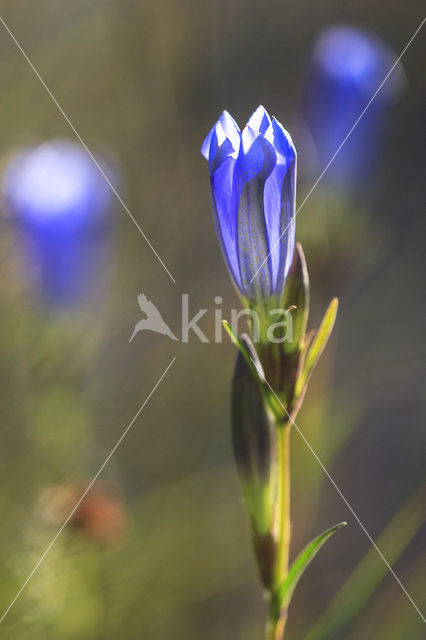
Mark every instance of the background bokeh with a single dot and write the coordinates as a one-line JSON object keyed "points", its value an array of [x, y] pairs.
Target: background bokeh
{"points": [[161, 549]]}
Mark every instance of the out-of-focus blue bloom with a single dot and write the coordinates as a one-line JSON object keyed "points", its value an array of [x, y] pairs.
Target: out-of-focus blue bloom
{"points": [[347, 66], [60, 199], [253, 176]]}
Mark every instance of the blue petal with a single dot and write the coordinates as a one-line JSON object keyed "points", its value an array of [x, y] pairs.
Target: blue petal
{"points": [[220, 148], [225, 206], [279, 201], [256, 160], [230, 130], [281, 139], [260, 120], [205, 147], [257, 155], [253, 242]]}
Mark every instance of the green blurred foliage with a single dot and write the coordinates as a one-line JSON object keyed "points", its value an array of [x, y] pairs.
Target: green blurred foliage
{"points": [[142, 82]]}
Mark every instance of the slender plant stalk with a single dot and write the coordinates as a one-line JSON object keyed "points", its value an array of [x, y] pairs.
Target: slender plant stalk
{"points": [[276, 624], [283, 446], [275, 628]]}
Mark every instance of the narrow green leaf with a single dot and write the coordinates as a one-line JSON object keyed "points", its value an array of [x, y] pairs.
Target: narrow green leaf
{"points": [[248, 351], [298, 566], [296, 296], [320, 340], [318, 344], [246, 347]]}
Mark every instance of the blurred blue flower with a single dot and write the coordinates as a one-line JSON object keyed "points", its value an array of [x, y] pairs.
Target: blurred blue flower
{"points": [[253, 175], [347, 66], [60, 199]]}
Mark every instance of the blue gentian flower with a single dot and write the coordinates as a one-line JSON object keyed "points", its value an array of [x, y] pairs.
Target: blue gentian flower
{"points": [[253, 176], [60, 200], [346, 67]]}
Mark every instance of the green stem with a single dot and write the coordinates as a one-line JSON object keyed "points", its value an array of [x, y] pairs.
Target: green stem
{"points": [[275, 628], [283, 450], [276, 623]]}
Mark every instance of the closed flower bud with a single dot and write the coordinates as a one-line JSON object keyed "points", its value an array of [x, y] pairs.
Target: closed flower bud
{"points": [[60, 203], [252, 176], [347, 66], [254, 445]]}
